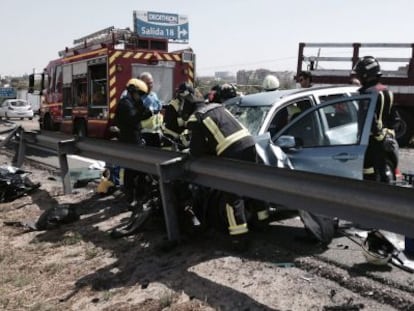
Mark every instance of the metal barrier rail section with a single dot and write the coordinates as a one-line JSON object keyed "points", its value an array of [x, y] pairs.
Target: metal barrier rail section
{"points": [[371, 204]]}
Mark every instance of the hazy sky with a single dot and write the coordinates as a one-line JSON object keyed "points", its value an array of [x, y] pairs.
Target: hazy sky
{"points": [[226, 35]]}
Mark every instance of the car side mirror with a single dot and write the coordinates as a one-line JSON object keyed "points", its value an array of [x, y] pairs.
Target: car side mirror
{"points": [[286, 142]]}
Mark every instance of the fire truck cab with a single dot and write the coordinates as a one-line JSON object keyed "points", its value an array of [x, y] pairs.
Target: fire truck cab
{"points": [[81, 89], [332, 63]]}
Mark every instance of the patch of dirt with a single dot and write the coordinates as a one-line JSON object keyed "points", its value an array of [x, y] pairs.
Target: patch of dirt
{"points": [[78, 266]]}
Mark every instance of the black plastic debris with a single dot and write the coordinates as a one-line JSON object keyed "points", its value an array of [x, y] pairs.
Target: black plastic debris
{"points": [[51, 218], [14, 183], [321, 227]]}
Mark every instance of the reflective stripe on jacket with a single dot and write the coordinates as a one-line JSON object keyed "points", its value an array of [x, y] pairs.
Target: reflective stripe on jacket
{"points": [[222, 132], [385, 118], [173, 122], [153, 124]]}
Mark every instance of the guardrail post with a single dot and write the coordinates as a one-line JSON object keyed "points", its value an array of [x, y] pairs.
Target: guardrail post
{"points": [[20, 149], [10, 134], [66, 147], [167, 172]]}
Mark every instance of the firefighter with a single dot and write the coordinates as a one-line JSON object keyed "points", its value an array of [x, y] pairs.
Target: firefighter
{"points": [[221, 93], [382, 137], [270, 83], [128, 117], [215, 131], [174, 127]]}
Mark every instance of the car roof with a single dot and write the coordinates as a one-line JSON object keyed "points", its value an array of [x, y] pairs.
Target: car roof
{"points": [[270, 98], [11, 101]]}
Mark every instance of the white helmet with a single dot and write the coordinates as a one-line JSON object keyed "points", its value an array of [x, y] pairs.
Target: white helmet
{"points": [[270, 83], [377, 249]]}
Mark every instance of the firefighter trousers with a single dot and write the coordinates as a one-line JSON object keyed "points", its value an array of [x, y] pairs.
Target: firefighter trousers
{"points": [[375, 162]]}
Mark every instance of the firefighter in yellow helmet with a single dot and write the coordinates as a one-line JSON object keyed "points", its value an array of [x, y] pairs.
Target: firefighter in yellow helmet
{"points": [[128, 116], [131, 111], [215, 131]]}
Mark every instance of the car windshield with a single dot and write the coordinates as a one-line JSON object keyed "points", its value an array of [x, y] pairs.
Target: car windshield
{"points": [[18, 103], [251, 117]]}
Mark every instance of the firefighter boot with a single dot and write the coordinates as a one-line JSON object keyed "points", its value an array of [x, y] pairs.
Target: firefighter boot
{"points": [[236, 217]]}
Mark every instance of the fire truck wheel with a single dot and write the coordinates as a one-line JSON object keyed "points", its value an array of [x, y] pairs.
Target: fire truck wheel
{"points": [[80, 129], [47, 123]]}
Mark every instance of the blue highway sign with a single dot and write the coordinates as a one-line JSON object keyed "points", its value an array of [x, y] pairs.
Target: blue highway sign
{"points": [[169, 26]]}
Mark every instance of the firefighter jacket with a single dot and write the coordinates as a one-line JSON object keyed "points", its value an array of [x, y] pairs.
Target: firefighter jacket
{"points": [[215, 131], [153, 106], [174, 124], [128, 117], [386, 117]]}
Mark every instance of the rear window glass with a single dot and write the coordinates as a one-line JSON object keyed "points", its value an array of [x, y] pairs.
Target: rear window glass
{"points": [[18, 103]]}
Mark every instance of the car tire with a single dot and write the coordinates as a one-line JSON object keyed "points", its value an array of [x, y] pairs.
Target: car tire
{"points": [[30, 119], [21, 118], [6, 116]]}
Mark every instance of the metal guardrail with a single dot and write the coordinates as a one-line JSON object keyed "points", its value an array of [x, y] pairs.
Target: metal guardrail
{"points": [[370, 204]]}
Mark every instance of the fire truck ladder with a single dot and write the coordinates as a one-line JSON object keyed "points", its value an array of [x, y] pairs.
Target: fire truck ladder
{"points": [[98, 39]]}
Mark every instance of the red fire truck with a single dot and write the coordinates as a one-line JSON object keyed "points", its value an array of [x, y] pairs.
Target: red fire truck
{"points": [[328, 65], [80, 90]]}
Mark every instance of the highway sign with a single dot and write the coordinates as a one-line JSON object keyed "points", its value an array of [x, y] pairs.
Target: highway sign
{"points": [[169, 26]]}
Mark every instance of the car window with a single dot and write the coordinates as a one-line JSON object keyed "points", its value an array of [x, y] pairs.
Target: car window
{"points": [[325, 98], [287, 114], [18, 103], [334, 124]]}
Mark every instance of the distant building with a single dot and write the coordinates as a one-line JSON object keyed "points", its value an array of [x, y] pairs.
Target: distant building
{"points": [[255, 77], [225, 76]]}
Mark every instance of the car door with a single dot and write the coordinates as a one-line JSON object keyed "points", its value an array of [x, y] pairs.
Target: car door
{"points": [[330, 138]]}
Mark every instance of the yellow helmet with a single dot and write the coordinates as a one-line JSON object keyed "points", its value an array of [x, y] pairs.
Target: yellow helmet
{"points": [[137, 85]]}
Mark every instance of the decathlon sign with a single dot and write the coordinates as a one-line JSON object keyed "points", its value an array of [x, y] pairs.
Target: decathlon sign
{"points": [[169, 26]]}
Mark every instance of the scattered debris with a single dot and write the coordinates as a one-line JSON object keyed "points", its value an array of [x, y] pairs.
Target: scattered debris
{"points": [[285, 264], [14, 183], [322, 227], [82, 176], [50, 219]]}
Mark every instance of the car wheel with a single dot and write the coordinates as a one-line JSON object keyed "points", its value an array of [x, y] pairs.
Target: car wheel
{"points": [[21, 118], [6, 116], [30, 118]]}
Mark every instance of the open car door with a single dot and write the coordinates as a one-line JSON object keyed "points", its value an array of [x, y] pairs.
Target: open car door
{"points": [[330, 138]]}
